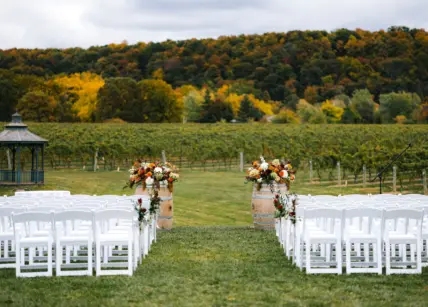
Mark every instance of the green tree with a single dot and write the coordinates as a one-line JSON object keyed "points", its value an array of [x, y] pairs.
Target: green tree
{"points": [[159, 103], [192, 106], [218, 110], [36, 106], [363, 106], [118, 98], [247, 110], [395, 104]]}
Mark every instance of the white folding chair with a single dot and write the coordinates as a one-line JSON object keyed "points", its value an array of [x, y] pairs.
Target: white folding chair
{"points": [[70, 233], [329, 232], [107, 235], [403, 227], [369, 233], [26, 227]]}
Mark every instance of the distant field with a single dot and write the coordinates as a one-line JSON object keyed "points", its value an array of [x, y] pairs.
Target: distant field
{"points": [[200, 198]]}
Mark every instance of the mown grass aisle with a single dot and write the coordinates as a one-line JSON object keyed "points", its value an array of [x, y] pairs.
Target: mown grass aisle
{"points": [[215, 266]]}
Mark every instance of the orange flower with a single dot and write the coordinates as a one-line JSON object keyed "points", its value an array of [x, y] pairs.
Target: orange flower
{"points": [[149, 174], [260, 169], [170, 179], [276, 170], [255, 164], [292, 177], [271, 168]]}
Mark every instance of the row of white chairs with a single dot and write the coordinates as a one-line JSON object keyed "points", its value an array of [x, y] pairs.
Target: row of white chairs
{"points": [[73, 235], [362, 233]]}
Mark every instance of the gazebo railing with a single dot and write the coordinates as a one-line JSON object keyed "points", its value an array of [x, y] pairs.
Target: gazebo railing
{"points": [[21, 177]]}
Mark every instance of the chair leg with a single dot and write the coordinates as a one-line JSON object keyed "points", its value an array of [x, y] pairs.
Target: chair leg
{"points": [[130, 257], [90, 257], [379, 256], [50, 264], [18, 260], [98, 258], [308, 257], [419, 256], [388, 248], [348, 257], [58, 256], [339, 257], [6, 248]]}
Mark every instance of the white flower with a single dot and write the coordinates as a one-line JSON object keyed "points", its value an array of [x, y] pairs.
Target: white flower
{"points": [[262, 159], [166, 169], [283, 174], [158, 170], [254, 173], [276, 162], [264, 166], [259, 180], [132, 170], [149, 181]]}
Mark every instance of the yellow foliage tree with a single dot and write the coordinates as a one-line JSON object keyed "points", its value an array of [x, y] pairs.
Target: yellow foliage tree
{"points": [[235, 101], [261, 105], [85, 87], [333, 113]]}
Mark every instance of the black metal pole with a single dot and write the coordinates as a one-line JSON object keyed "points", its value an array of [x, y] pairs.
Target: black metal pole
{"points": [[379, 175]]}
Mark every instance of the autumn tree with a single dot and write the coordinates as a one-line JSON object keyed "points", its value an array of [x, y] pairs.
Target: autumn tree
{"points": [[192, 106], [118, 98], [83, 89], [363, 106], [36, 106], [333, 113], [158, 102], [247, 110], [398, 104]]}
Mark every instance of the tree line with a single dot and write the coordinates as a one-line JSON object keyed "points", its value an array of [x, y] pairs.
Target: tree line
{"points": [[343, 76]]}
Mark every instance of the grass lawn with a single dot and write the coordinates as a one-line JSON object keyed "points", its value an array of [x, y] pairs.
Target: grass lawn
{"points": [[228, 265], [200, 198], [216, 266]]}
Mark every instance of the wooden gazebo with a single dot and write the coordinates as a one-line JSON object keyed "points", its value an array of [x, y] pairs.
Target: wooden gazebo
{"points": [[15, 139]]}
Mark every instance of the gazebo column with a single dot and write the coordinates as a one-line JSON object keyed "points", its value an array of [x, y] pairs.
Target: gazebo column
{"points": [[32, 165], [42, 179], [18, 166], [13, 163], [37, 165]]}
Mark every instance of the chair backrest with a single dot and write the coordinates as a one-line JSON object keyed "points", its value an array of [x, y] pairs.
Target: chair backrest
{"points": [[73, 214], [330, 220], [106, 214], [403, 220], [32, 221]]}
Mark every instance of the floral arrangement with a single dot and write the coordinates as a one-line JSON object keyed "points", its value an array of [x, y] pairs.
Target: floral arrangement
{"points": [[285, 205], [143, 213], [269, 173], [152, 174]]}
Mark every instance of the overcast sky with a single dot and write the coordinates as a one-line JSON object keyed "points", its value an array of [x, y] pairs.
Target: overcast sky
{"points": [[70, 23]]}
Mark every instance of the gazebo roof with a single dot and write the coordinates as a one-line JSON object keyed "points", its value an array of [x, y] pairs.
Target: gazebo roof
{"points": [[17, 132]]}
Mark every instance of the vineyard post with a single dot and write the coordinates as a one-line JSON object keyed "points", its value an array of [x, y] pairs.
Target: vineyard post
{"points": [[338, 173], [424, 178], [9, 161], [394, 178], [163, 156], [310, 171], [241, 164], [95, 159], [364, 175]]}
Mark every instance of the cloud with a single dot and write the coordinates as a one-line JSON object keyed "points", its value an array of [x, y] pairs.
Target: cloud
{"points": [[66, 23]]}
